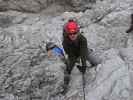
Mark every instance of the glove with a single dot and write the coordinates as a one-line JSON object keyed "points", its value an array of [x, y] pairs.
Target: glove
{"points": [[82, 69]]}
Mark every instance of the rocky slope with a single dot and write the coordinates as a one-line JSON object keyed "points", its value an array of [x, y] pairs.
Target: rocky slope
{"points": [[35, 6], [26, 73]]}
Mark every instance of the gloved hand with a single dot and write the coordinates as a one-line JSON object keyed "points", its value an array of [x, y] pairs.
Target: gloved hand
{"points": [[82, 69]]}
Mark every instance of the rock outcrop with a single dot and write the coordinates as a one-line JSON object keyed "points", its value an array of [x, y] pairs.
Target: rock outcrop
{"points": [[35, 6]]}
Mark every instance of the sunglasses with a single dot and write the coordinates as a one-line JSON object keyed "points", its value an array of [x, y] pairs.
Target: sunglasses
{"points": [[72, 33]]}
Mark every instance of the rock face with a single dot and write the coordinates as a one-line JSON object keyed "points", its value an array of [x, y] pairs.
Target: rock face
{"points": [[39, 5], [112, 79], [26, 73], [25, 5], [126, 54]]}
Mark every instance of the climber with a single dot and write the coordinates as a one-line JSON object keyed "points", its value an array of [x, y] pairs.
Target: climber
{"points": [[75, 46], [54, 50], [131, 26]]}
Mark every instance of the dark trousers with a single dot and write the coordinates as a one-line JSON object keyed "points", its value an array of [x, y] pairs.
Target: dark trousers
{"points": [[92, 58], [69, 67]]}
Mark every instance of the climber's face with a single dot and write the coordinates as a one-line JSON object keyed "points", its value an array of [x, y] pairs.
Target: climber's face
{"points": [[49, 53], [73, 36]]}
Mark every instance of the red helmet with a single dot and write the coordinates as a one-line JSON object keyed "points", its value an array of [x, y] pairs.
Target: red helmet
{"points": [[71, 27]]}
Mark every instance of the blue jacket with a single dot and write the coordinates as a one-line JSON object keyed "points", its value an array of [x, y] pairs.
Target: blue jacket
{"points": [[58, 51]]}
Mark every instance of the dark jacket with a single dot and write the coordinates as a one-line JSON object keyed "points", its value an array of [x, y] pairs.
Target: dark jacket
{"points": [[76, 49]]}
